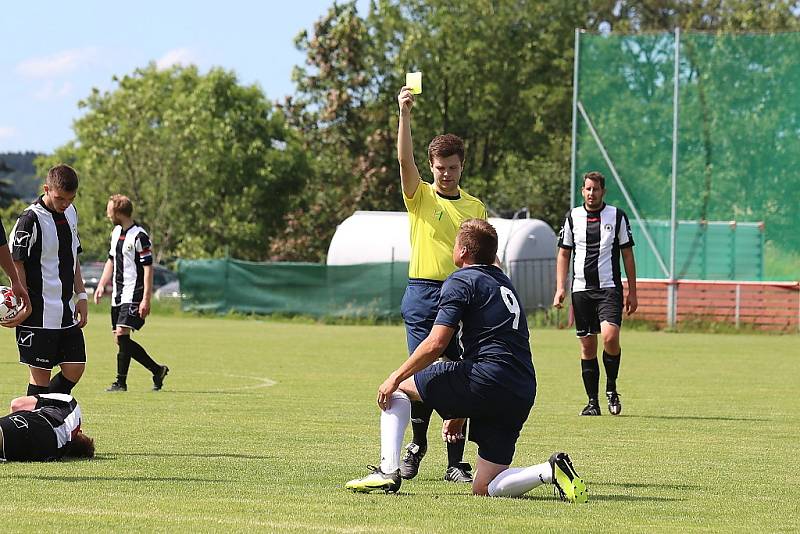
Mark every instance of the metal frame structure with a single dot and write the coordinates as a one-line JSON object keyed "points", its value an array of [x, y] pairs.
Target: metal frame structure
{"points": [[578, 109]]}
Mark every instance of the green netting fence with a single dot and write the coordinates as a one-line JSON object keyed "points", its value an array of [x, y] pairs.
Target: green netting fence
{"points": [[737, 151], [346, 291]]}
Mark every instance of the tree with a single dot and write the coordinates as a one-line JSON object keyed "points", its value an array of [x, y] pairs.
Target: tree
{"points": [[6, 196], [494, 74], [210, 166], [499, 74]]}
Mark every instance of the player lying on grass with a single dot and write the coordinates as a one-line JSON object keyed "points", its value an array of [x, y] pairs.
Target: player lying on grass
{"points": [[494, 385], [44, 427]]}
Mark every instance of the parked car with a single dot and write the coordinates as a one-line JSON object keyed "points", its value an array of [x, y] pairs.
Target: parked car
{"points": [[93, 270], [171, 290]]}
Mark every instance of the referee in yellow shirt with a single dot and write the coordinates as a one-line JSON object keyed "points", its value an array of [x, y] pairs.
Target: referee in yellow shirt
{"points": [[435, 212]]}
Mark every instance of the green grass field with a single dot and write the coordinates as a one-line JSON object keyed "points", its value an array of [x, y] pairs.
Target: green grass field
{"points": [[260, 424]]}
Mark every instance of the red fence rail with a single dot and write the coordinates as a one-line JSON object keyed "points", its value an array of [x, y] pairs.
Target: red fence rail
{"points": [[762, 305]]}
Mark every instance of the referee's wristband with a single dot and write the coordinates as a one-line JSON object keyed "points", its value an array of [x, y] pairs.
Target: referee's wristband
{"points": [[82, 296]]}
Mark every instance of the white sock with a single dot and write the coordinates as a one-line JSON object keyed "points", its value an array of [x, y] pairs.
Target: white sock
{"points": [[393, 426], [515, 481]]}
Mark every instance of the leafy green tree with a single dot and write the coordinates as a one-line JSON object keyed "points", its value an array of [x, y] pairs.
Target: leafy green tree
{"points": [[499, 74], [6, 196], [210, 166]]}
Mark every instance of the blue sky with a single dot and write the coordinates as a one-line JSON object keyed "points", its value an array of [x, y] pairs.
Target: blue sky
{"points": [[53, 53]]}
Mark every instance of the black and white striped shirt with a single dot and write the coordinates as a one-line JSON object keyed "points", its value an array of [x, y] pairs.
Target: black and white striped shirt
{"points": [[129, 252], [47, 243], [596, 238]]}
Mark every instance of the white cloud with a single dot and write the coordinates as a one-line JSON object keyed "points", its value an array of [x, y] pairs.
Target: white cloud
{"points": [[176, 56], [53, 91], [63, 62], [7, 132]]}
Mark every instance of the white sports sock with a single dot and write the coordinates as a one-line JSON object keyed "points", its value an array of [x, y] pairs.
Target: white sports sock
{"points": [[393, 426], [515, 481]]}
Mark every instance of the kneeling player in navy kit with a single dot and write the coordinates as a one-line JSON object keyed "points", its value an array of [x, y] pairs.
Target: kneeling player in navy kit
{"points": [[494, 385], [43, 427], [130, 267]]}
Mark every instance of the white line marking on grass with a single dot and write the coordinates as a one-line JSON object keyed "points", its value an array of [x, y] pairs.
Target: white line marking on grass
{"points": [[263, 382]]}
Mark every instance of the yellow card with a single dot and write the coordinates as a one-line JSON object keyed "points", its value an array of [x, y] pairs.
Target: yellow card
{"points": [[414, 81]]}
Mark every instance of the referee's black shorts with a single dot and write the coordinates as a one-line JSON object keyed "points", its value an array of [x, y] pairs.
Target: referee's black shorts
{"points": [[594, 306]]}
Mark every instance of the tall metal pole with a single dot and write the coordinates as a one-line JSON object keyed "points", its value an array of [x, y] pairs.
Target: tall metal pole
{"points": [[573, 157], [672, 295]]}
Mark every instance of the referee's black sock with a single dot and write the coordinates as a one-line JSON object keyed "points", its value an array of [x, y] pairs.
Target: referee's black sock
{"points": [[420, 419], [33, 389], [133, 350], [60, 384], [455, 451], [123, 365], [611, 363], [590, 371]]}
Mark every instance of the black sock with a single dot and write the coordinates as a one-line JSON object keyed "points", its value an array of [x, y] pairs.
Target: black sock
{"points": [[33, 389], [61, 384], [123, 364], [133, 350], [420, 419], [611, 363], [455, 451], [590, 370]]}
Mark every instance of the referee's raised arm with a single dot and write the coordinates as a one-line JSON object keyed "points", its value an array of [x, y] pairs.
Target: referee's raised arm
{"points": [[409, 174]]}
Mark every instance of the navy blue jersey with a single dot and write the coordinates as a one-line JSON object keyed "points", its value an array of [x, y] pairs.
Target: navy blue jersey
{"points": [[494, 330]]}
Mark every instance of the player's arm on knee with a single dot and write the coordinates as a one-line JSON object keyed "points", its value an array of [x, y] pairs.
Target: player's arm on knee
{"points": [[431, 348]]}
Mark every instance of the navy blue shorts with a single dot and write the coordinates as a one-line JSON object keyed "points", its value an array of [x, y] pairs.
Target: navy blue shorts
{"points": [[594, 306], [496, 414], [419, 307]]}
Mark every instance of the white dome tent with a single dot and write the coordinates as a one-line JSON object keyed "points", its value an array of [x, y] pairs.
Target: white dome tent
{"points": [[526, 248]]}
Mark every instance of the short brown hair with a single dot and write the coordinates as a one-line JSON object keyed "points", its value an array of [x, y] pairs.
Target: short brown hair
{"points": [[444, 146], [595, 177], [80, 446], [480, 239], [121, 204], [62, 177]]}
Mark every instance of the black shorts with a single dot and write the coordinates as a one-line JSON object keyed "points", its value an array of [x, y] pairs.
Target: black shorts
{"points": [[126, 315], [594, 306], [45, 348], [496, 414]]}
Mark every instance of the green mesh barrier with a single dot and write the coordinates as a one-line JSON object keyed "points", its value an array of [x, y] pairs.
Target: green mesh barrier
{"points": [[738, 146], [366, 290]]}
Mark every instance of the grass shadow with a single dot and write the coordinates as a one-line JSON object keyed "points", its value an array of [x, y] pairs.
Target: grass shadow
{"points": [[632, 498], [115, 455], [646, 485], [208, 392], [698, 418], [69, 478]]}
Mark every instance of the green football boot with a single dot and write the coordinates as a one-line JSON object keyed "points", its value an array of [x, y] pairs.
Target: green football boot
{"points": [[570, 486]]}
